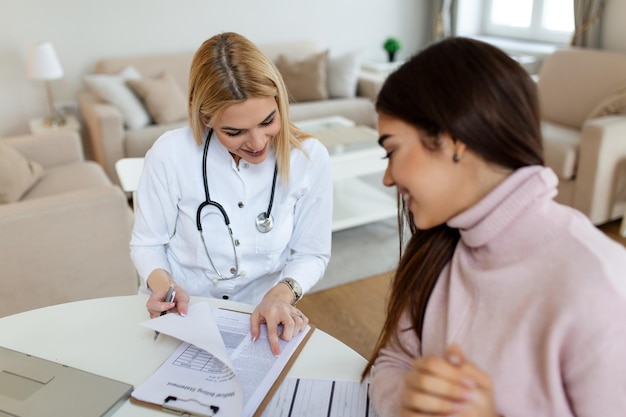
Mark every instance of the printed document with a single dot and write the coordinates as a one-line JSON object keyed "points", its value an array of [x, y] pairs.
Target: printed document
{"points": [[320, 397], [217, 368]]}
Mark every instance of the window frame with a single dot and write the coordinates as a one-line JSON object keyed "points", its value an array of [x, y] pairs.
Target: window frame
{"points": [[535, 32]]}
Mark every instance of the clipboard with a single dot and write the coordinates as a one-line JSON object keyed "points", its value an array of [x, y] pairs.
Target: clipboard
{"points": [[283, 374], [171, 409], [173, 405]]}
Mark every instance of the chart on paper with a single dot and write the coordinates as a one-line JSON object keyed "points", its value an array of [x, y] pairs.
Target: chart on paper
{"points": [[200, 360], [318, 397]]}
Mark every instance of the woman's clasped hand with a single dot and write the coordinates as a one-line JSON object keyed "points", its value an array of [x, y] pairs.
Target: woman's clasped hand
{"points": [[446, 386]]}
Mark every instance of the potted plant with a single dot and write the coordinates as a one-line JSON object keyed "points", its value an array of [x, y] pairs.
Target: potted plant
{"points": [[392, 45]]}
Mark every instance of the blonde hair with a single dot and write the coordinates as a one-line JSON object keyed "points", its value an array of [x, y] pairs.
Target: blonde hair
{"points": [[228, 69]]}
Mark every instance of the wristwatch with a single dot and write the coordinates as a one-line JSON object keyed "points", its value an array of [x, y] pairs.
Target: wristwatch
{"points": [[295, 288]]}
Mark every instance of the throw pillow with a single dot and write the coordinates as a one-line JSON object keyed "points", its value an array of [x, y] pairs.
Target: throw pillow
{"points": [[613, 104], [17, 174], [343, 75], [163, 98], [305, 79], [113, 89]]}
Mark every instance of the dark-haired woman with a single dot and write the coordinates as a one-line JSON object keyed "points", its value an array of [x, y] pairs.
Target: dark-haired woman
{"points": [[504, 303]]}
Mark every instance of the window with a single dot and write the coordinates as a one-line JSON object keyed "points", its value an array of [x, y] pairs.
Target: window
{"points": [[539, 20]]}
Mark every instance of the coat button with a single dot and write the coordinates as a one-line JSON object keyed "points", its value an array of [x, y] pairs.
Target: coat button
{"points": [[236, 242], [233, 270], [240, 204]]}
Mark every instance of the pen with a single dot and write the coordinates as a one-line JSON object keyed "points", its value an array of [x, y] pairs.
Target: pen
{"points": [[168, 299]]}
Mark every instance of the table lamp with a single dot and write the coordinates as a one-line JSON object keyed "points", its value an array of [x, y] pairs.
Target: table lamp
{"points": [[43, 64]]}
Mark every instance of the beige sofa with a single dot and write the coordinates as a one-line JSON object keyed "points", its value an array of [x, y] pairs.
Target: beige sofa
{"points": [[582, 94], [109, 138], [66, 238]]}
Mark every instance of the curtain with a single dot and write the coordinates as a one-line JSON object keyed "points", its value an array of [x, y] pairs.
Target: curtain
{"points": [[588, 23], [442, 19]]}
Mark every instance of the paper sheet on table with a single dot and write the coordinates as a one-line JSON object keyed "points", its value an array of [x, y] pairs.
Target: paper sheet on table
{"points": [[199, 376], [198, 328], [320, 397], [225, 333], [254, 362]]}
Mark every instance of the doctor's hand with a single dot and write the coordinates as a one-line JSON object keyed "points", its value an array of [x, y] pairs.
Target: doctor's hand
{"points": [[446, 386], [276, 309], [157, 305], [159, 282]]}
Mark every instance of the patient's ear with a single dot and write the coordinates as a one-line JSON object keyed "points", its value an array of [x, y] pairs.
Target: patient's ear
{"points": [[459, 148]]}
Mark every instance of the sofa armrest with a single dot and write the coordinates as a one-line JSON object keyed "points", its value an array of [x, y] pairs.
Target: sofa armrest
{"points": [[50, 150], [104, 132], [66, 247], [602, 155]]}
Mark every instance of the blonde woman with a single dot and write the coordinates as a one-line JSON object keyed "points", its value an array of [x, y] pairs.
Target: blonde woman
{"points": [[238, 205]]}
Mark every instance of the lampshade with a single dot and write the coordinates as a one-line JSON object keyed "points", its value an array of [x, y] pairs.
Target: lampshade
{"points": [[43, 63]]}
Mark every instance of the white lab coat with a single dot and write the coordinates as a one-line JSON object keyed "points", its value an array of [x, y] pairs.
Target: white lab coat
{"points": [[171, 188]]}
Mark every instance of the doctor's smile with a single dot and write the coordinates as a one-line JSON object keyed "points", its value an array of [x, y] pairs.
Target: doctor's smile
{"points": [[247, 129]]}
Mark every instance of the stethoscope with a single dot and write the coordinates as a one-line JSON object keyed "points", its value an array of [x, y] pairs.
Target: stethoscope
{"points": [[264, 221]]}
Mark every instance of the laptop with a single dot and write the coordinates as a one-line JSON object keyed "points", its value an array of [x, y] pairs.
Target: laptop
{"points": [[35, 387]]}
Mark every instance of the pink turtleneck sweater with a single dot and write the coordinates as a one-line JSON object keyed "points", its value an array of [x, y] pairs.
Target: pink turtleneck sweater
{"points": [[535, 296]]}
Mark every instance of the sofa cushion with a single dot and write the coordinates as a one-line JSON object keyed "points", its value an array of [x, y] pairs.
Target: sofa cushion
{"points": [[67, 178], [17, 174], [358, 109], [613, 104], [162, 97], [343, 74], [566, 96], [113, 89], [176, 64], [137, 142], [305, 78], [560, 147]]}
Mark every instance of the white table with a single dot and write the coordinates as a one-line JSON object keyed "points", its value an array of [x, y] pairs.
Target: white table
{"points": [[102, 336], [382, 68], [39, 126], [129, 172], [354, 153]]}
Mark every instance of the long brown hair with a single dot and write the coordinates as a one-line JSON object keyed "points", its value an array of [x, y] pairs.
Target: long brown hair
{"points": [[477, 94]]}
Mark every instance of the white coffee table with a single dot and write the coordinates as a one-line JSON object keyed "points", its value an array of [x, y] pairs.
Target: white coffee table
{"points": [[354, 154], [129, 171]]}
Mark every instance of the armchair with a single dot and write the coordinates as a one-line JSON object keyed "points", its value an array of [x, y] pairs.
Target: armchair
{"points": [[583, 110], [67, 238]]}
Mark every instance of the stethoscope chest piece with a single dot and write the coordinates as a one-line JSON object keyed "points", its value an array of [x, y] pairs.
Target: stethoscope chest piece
{"points": [[264, 223]]}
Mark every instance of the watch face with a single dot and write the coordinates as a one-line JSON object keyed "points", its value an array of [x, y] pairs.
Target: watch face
{"points": [[295, 287]]}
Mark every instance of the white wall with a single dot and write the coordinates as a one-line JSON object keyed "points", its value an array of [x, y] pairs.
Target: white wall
{"points": [[83, 31]]}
